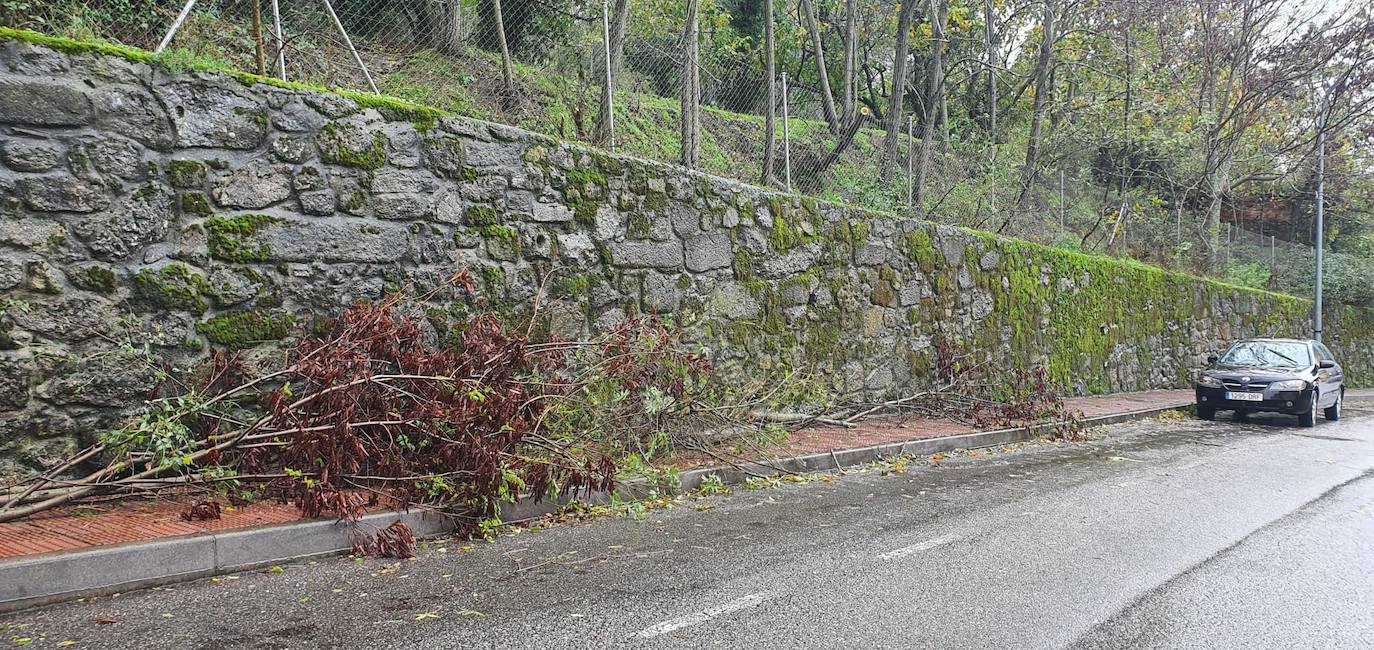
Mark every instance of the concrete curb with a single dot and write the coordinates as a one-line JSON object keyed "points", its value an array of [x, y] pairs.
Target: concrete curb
{"points": [[65, 575], [53, 577]]}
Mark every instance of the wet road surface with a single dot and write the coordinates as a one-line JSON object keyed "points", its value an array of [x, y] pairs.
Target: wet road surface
{"points": [[1154, 534]]}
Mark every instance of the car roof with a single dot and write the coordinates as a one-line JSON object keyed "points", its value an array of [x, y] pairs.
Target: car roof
{"points": [[1276, 340]]}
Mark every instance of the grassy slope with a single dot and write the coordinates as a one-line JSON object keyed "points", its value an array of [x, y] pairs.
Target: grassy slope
{"points": [[646, 124], [427, 86]]}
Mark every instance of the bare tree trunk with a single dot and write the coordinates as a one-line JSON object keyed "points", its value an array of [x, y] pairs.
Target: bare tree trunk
{"points": [[935, 91], [770, 113], [452, 41], [899, 75], [1042, 70], [257, 38], [990, 45], [507, 73], [1124, 170], [822, 74], [691, 91], [851, 56], [438, 24], [811, 169], [619, 23]]}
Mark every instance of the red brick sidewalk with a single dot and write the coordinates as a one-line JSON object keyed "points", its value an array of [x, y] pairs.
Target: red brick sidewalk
{"points": [[899, 429], [116, 522]]}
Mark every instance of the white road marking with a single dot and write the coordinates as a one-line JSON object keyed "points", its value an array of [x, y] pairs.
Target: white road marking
{"points": [[743, 602], [917, 548]]}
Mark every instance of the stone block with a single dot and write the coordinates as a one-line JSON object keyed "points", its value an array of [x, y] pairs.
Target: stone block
{"points": [[257, 184], [31, 155], [391, 179], [210, 114], [550, 212], [319, 202], [708, 251], [296, 117], [30, 233], [872, 255], [116, 156], [402, 206], [16, 376], [660, 293], [294, 147], [68, 317], [656, 255], [298, 240], [731, 300], [32, 60], [44, 102], [134, 113], [62, 193]]}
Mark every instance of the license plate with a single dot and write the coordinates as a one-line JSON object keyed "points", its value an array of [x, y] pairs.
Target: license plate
{"points": [[1245, 397]]}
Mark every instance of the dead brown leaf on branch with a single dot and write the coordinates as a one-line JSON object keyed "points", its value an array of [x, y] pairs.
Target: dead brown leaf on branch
{"points": [[387, 408], [391, 406]]}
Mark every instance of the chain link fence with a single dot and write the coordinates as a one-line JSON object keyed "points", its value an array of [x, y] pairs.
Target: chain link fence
{"points": [[541, 65]]}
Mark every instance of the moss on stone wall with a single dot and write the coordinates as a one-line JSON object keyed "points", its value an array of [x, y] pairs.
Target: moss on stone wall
{"points": [[243, 329], [226, 237], [195, 203], [95, 278], [173, 287], [580, 193], [334, 148], [483, 215], [791, 227], [186, 174]]}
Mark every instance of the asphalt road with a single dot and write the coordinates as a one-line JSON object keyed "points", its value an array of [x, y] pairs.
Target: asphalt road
{"points": [[1183, 534]]}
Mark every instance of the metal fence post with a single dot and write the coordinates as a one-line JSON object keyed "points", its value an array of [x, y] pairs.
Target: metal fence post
{"points": [[176, 24], [281, 41], [1063, 217], [349, 42], [1228, 243], [911, 155], [609, 80], [786, 138]]}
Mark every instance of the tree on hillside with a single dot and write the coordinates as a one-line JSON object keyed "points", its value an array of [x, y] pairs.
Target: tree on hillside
{"points": [[1041, 75], [770, 127], [895, 115], [691, 89], [822, 75], [935, 92], [851, 58]]}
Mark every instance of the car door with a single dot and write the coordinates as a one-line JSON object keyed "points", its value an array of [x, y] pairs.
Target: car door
{"points": [[1330, 379]]}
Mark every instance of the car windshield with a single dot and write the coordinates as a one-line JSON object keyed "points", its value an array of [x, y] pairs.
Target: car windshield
{"points": [[1266, 353]]}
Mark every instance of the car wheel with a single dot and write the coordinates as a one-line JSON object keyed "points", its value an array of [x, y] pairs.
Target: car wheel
{"points": [[1206, 412], [1333, 412], [1309, 419]]}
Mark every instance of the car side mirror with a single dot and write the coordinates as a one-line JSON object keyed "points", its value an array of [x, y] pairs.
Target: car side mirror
{"points": [[1326, 364], [1212, 359]]}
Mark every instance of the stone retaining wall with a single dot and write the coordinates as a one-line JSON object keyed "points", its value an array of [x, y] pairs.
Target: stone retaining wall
{"points": [[146, 216]]}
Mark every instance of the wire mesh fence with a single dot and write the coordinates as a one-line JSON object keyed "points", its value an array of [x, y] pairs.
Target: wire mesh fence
{"points": [[542, 65]]}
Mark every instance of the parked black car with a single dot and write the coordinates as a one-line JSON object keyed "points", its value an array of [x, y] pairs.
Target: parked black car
{"points": [[1294, 376]]}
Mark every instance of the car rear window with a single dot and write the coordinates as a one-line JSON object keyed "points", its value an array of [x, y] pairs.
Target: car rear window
{"points": [[1267, 353]]}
